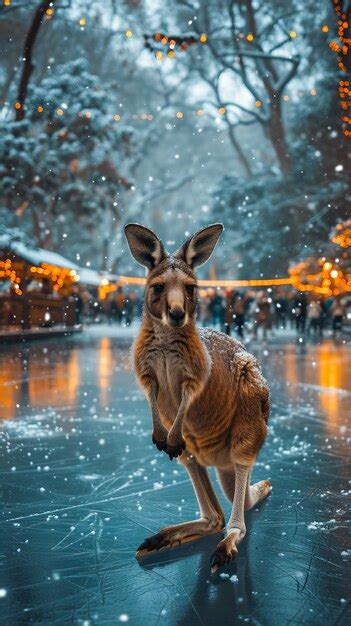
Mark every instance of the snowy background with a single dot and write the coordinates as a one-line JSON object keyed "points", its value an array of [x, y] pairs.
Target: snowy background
{"points": [[126, 118]]}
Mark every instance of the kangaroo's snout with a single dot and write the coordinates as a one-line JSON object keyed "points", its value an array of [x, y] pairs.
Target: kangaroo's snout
{"points": [[176, 305], [176, 316]]}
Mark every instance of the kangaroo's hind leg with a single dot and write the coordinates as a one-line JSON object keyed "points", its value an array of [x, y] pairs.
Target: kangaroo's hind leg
{"points": [[236, 529], [211, 520], [253, 494]]}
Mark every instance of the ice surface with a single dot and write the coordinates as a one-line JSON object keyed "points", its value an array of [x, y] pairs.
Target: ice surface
{"points": [[82, 486]]}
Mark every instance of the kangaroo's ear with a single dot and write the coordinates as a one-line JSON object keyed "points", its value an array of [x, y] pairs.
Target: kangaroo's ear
{"points": [[197, 249], [144, 245]]}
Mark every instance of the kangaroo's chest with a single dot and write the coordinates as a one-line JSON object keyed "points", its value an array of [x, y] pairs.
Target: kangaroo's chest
{"points": [[168, 367], [166, 371]]}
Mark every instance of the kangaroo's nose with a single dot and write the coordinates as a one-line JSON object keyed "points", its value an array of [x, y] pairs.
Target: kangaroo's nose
{"points": [[177, 315]]}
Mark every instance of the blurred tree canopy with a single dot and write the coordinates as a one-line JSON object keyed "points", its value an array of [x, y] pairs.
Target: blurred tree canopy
{"points": [[56, 163], [174, 116]]}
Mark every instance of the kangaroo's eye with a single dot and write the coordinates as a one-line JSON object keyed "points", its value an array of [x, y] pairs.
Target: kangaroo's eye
{"points": [[158, 289], [190, 289]]}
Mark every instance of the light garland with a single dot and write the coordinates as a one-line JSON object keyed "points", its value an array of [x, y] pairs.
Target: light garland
{"points": [[8, 272], [342, 234], [328, 281], [343, 50], [58, 275]]}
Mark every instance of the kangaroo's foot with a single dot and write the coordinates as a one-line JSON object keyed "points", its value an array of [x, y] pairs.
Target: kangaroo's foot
{"points": [[178, 534], [257, 492], [227, 549]]}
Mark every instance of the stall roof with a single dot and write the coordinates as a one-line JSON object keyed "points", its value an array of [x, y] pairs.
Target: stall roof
{"points": [[36, 256], [89, 277], [94, 278]]}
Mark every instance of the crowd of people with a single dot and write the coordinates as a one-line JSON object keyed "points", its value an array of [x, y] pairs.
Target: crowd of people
{"points": [[249, 313], [259, 313]]}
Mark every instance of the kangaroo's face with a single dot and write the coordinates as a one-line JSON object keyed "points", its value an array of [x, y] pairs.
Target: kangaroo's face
{"points": [[170, 295]]}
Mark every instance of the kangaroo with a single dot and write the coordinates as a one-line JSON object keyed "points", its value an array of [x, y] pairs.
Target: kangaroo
{"points": [[208, 399]]}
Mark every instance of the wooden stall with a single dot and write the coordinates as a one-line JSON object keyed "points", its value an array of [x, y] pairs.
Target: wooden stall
{"points": [[37, 288]]}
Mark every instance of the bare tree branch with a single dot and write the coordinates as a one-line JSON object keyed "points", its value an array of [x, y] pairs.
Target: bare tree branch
{"points": [[28, 65]]}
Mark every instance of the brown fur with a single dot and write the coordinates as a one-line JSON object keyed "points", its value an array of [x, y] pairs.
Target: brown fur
{"points": [[227, 418]]}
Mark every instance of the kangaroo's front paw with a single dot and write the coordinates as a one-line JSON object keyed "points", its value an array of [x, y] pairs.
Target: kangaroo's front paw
{"points": [[161, 444], [175, 449]]}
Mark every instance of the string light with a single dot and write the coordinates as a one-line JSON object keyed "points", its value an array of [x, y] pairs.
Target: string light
{"points": [[82, 21], [292, 34], [325, 28], [129, 33], [250, 37], [343, 51], [152, 42], [6, 3], [258, 103], [264, 282], [40, 109], [313, 92], [117, 117], [341, 234], [179, 115]]}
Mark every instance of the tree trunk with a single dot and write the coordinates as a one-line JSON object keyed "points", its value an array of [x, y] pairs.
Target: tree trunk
{"points": [[276, 133], [28, 66], [240, 153], [42, 238]]}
